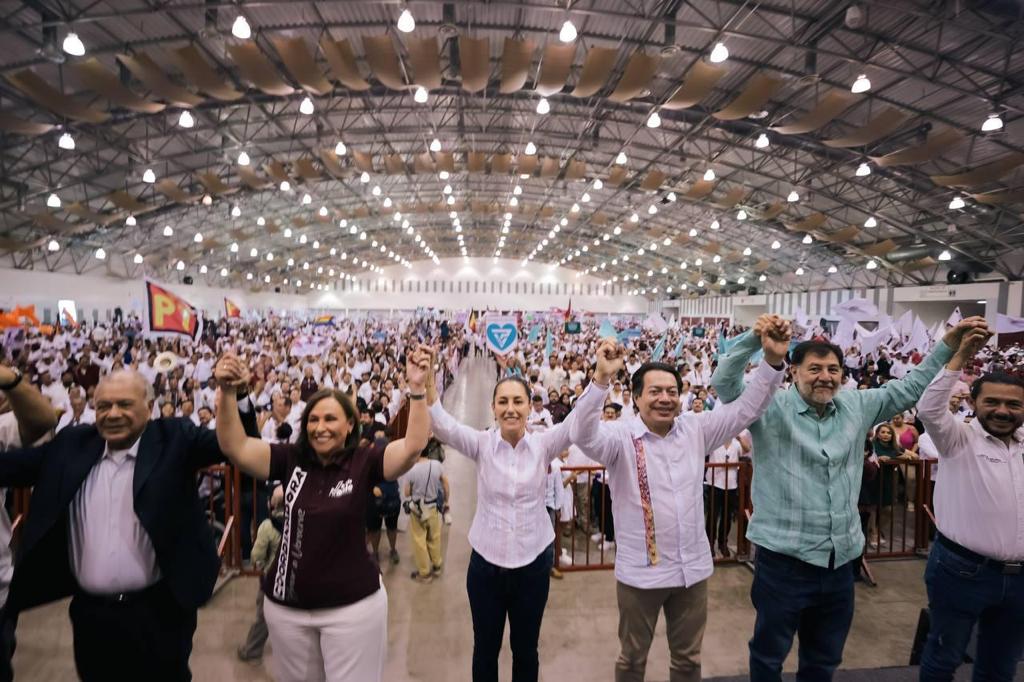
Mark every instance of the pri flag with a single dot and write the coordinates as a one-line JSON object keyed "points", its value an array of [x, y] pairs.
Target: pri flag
{"points": [[168, 314], [230, 309]]}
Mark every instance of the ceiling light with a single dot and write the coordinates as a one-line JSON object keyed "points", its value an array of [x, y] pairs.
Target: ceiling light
{"points": [[53, 245], [513, 202], [73, 45], [575, 208], [531, 149], [243, 159], [233, 248], [186, 120], [871, 265], [285, 186], [945, 255], [617, 230], [693, 231], [567, 34], [100, 253], [168, 231], [793, 197], [198, 239], [340, 149], [420, 95], [832, 269], [992, 122], [741, 280], [435, 145], [207, 200], [517, 190], [862, 84], [863, 170], [741, 214], [130, 221], [444, 175], [808, 239], [323, 211], [66, 142], [799, 271], [870, 222], [223, 272], [364, 178], [622, 159], [53, 201], [654, 120], [634, 218], [719, 54], [406, 23], [240, 29], [709, 175], [715, 225], [149, 176], [302, 239], [956, 203], [716, 259], [450, 201], [747, 251], [306, 106], [762, 278], [598, 184], [138, 259], [762, 141], [447, 189], [700, 282], [585, 198], [287, 233], [776, 244], [652, 209], [543, 106]]}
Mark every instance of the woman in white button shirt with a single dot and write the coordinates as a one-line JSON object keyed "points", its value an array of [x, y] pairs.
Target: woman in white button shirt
{"points": [[511, 535], [721, 485]]}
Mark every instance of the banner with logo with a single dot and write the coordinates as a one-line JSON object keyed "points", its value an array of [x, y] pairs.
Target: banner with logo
{"points": [[168, 314], [501, 333]]}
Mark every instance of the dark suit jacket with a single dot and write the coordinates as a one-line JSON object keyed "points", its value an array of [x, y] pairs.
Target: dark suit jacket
{"points": [[164, 487]]}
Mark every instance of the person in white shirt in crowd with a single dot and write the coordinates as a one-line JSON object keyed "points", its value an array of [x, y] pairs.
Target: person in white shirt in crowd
{"points": [[25, 417], [511, 535], [280, 414], [80, 412], [576, 375], [722, 484], [633, 364], [54, 392], [539, 419], [655, 467], [552, 376], [975, 573]]}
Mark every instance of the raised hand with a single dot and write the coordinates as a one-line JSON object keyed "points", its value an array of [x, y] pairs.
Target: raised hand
{"points": [[956, 334], [231, 372], [611, 357], [972, 341], [775, 335], [418, 367]]}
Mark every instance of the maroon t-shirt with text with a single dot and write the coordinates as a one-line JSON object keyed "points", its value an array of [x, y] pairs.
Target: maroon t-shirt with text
{"points": [[323, 561]]}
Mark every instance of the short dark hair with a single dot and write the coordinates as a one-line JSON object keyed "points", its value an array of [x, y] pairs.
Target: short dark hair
{"points": [[994, 378], [637, 380], [814, 347], [613, 406], [519, 380]]}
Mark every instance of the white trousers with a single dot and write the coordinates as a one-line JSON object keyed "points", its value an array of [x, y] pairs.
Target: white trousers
{"points": [[344, 644]]}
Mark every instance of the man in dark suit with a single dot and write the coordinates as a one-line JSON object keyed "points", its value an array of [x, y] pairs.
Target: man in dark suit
{"points": [[115, 522]]}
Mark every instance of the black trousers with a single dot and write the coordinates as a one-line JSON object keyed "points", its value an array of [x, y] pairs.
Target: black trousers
{"points": [[601, 504], [147, 636], [520, 594]]}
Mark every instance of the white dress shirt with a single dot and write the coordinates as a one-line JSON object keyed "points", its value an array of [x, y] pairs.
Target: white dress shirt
{"points": [[10, 438], [979, 498], [110, 550], [539, 421], [511, 526], [675, 474], [67, 419], [724, 478]]}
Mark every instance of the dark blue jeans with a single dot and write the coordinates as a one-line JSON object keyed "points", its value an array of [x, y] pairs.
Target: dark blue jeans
{"points": [[520, 594], [961, 593], [791, 596]]}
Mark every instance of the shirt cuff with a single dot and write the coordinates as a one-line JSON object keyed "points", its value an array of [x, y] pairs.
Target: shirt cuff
{"points": [[769, 372]]}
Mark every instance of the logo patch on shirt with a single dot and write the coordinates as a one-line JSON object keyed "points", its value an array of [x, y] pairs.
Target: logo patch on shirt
{"points": [[341, 488]]}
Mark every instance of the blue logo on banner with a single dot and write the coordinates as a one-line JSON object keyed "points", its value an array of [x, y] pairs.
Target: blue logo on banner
{"points": [[502, 336]]}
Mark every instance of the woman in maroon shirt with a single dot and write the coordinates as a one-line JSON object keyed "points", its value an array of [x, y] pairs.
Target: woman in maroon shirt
{"points": [[325, 607]]}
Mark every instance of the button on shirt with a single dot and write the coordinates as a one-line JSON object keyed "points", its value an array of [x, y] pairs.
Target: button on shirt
{"points": [[110, 550], [511, 526], [808, 468], [979, 498], [675, 473]]}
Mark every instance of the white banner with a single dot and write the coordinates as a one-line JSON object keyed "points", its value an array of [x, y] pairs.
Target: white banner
{"points": [[501, 333]]}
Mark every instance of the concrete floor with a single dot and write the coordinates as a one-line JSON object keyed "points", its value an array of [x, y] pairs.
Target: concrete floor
{"points": [[430, 632]]}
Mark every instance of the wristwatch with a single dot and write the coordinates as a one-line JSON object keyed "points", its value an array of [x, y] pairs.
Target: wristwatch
{"points": [[17, 380]]}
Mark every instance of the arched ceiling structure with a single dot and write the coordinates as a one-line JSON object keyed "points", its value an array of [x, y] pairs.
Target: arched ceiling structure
{"points": [[590, 184]]}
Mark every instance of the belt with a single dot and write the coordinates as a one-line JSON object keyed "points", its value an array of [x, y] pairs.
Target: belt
{"points": [[123, 597], [1004, 567]]}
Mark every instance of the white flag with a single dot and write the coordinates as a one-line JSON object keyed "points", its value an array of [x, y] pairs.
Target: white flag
{"points": [[870, 341], [1009, 325], [856, 308], [955, 317], [919, 338], [655, 323], [844, 333], [800, 317], [905, 323]]}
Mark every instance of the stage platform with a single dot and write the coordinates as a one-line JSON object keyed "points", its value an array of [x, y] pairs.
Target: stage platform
{"points": [[902, 674]]}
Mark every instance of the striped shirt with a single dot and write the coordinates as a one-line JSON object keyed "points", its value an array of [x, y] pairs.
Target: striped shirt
{"points": [[807, 472]]}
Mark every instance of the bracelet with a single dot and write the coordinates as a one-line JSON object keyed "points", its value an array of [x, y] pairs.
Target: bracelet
{"points": [[13, 384], [417, 396]]}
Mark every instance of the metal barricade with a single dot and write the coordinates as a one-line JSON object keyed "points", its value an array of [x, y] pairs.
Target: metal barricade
{"points": [[892, 508], [726, 499]]}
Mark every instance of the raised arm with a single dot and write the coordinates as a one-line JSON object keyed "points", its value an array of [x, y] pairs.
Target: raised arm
{"points": [[587, 432], [31, 409], [400, 455], [448, 430], [947, 433], [251, 455], [728, 377], [880, 404]]}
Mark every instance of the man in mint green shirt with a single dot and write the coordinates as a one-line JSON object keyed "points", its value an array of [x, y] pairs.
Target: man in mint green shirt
{"points": [[808, 461]]}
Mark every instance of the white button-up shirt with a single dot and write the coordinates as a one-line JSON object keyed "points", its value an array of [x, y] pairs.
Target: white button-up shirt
{"points": [[511, 526], [979, 498], [724, 478], [675, 474]]}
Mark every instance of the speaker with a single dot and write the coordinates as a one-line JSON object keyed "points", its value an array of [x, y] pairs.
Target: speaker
{"points": [[187, 279], [752, 291], [277, 290], [958, 276]]}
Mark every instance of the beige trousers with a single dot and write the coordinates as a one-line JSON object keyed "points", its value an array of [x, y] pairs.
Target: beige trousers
{"points": [[426, 540], [686, 613]]}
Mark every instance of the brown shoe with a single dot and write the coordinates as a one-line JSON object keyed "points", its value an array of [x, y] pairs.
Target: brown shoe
{"points": [[556, 574]]}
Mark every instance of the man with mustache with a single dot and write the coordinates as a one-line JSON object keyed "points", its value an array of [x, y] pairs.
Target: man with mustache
{"points": [[807, 477], [975, 574]]}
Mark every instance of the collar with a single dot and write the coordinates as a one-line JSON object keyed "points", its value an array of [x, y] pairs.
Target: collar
{"points": [[803, 406], [119, 455], [638, 429], [1018, 435]]}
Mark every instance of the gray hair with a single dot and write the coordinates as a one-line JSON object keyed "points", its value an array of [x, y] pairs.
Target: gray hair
{"points": [[135, 377]]}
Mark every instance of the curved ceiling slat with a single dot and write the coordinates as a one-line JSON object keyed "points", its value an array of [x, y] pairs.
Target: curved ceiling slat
{"points": [[342, 60], [93, 75], [698, 83], [474, 62], [203, 76], [516, 57], [554, 68], [597, 67], [824, 112], [146, 71], [935, 145], [13, 124], [383, 61], [39, 91], [882, 125], [758, 90], [425, 61], [257, 69], [982, 175], [638, 75], [301, 65]]}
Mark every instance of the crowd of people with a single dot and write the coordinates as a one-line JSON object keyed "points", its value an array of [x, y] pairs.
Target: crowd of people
{"points": [[338, 425]]}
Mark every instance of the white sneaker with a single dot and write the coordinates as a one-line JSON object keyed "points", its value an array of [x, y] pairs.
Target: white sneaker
{"points": [[447, 518], [596, 538], [609, 544]]}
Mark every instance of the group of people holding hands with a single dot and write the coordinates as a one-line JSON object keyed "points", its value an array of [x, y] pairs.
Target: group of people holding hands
{"points": [[115, 522]]}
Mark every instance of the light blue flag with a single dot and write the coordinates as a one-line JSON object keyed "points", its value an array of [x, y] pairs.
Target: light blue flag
{"points": [[678, 349], [659, 350], [607, 329], [534, 334], [549, 346]]}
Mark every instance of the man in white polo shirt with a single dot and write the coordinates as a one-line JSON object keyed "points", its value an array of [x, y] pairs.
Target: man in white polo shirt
{"points": [[975, 573]]}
